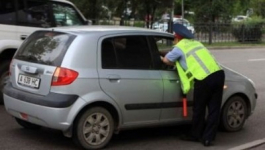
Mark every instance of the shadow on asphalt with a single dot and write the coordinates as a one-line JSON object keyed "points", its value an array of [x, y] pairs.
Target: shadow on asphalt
{"points": [[132, 137], [55, 139]]}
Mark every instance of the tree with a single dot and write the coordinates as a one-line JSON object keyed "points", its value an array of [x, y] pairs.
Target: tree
{"points": [[96, 9], [258, 7], [217, 10]]}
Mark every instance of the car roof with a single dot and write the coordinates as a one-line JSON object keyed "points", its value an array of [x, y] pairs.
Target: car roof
{"points": [[108, 30], [63, 1]]}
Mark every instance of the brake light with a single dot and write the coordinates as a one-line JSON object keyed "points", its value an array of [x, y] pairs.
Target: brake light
{"points": [[63, 76]]}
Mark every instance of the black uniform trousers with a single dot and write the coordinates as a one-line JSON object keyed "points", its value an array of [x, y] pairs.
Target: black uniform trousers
{"points": [[207, 94]]}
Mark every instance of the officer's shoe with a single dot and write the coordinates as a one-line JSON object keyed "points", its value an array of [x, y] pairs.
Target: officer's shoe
{"points": [[207, 142]]}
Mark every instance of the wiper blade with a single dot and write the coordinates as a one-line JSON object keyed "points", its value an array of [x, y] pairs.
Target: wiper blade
{"points": [[27, 57]]}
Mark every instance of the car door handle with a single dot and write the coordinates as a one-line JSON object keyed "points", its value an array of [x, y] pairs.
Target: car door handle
{"points": [[23, 37], [174, 80], [114, 78], [29, 69]]}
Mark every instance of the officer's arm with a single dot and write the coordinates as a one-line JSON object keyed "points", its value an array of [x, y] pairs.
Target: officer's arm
{"points": [[166, 61]]}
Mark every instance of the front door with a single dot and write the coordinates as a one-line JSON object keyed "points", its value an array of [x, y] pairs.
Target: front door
{"points": [[172, 104]]}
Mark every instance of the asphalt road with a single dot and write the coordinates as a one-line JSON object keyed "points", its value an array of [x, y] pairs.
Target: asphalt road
{"points": [[249, 62]]}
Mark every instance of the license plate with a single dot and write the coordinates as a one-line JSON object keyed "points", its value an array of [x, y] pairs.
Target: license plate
{"points": [[29, 81]]}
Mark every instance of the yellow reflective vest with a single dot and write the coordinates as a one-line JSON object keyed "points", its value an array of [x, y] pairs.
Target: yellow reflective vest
{"points": [[200, 63]]}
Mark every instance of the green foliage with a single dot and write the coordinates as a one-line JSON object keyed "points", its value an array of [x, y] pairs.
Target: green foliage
{"points": [[249, 30], [139, 24], [218, 10], [205, 10], [258, 7]]}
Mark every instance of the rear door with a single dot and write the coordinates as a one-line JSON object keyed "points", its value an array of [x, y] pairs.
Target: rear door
{"points": [[127, 74], [34, 64]]}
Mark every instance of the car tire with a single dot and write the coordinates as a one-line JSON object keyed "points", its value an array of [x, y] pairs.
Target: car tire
{"points": [[94, 128], [234, 114], [4, 76], [27, 125]]}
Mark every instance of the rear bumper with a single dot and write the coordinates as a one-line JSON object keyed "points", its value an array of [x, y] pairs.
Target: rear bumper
{"points": [[56, 111], [55, 118], [54, 100]]}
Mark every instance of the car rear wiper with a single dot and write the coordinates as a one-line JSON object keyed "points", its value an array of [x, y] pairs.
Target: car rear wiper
{"points": [[27, 58]]}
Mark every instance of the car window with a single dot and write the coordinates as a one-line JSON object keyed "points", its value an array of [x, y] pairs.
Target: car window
{"points": [[7, 12], [164, 43], [131, 52], [66, 15], [34, 14], [45, 47], [108, 56]]}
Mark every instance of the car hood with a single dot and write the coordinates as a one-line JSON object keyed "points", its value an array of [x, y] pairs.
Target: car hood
{"points": [[233, 76]]}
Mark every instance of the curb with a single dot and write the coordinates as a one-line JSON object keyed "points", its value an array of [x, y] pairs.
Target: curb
{"points": [[235, 47], [249, 145]]}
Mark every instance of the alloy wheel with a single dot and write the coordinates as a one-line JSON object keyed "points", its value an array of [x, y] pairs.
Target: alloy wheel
{"points": [[236, 114], [96, 128]]}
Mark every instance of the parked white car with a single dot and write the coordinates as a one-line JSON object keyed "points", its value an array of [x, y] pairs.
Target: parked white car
{"points": [[160, 26], [163, 26], [240, 18], [21, 18]]}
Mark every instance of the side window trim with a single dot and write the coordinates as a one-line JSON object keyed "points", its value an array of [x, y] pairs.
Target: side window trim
{"points": [[118, 58]]}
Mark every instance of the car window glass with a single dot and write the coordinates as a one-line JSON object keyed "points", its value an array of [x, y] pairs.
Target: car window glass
{"points": [[164, 45], [45, 47], [7, 12], [34, 13], [133, 52], [66, 15], [108, 55], [130, 52]]}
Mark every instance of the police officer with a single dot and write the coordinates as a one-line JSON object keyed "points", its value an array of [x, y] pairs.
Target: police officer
{"points": [[197, 68]]}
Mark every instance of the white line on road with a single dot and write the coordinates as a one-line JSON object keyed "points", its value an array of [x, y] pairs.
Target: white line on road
{"points": [[249, 145], [260, 59]]}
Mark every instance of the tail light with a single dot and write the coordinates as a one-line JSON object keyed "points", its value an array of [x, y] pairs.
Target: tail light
{"points": [[63, 76]]}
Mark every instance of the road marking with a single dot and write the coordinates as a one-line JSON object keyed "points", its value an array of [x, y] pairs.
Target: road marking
{"points": [[249, 145], [261, 59]]}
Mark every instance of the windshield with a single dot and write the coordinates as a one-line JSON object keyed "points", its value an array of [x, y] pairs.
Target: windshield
{"points": [[66, 15], [45, 47]]}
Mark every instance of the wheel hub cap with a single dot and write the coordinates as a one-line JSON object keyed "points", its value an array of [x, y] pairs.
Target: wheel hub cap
{"points": [[236, 114], [96, 129]]}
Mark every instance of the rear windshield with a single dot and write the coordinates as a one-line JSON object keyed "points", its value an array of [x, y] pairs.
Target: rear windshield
{"points": [[45, 47]]}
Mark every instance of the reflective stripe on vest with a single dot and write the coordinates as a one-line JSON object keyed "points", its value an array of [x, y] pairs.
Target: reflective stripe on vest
{"points": [[193, 53]]}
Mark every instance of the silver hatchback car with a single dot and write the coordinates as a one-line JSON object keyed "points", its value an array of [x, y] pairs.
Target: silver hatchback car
{"points": [[93, 81]]}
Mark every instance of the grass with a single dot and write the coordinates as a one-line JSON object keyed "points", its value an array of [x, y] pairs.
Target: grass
{"points": [[234, 44]]}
